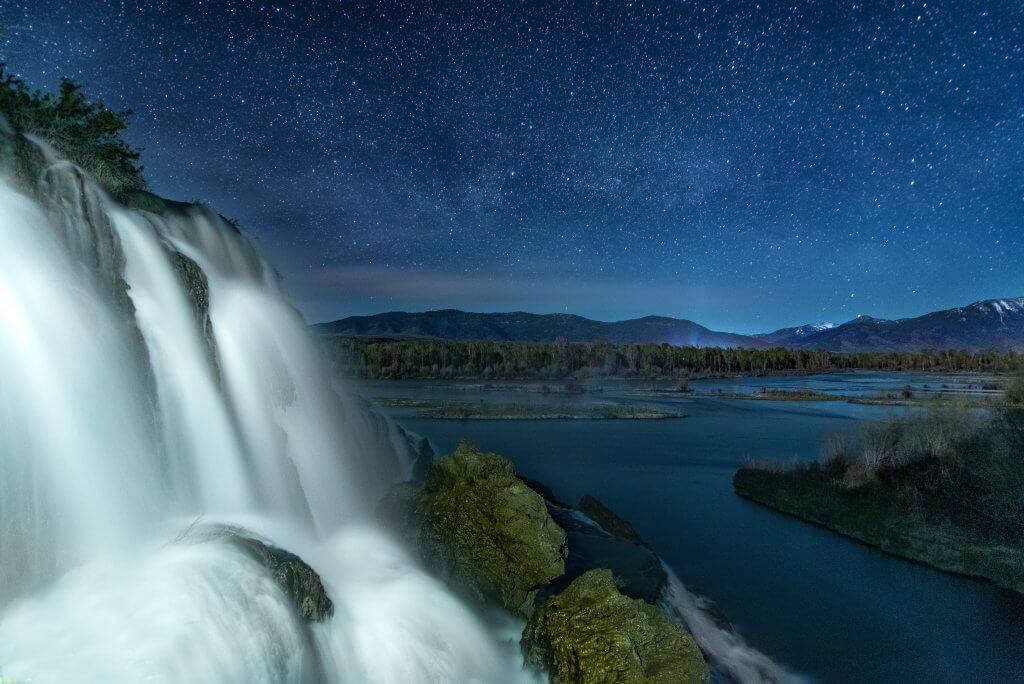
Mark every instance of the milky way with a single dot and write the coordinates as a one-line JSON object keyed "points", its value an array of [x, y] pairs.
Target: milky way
{"points": [[747, 165]]}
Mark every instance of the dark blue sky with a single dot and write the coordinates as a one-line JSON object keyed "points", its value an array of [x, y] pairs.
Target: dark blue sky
{"points": [[747, 165]]}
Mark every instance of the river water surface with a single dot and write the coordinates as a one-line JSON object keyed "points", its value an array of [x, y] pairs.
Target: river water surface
{"points": [[820, 605]]}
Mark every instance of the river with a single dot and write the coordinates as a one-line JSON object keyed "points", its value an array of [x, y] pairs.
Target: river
{"points": [[822, 606]]}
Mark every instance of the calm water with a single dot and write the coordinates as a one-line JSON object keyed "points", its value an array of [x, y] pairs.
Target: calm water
{"points": [[821, 605]]}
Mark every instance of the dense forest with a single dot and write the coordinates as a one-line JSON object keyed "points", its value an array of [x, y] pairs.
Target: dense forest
{"points": [[442, 359]]}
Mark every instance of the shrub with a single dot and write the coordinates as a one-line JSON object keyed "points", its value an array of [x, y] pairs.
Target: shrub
{"points": [[1013, 389], [86, 132], [942, 435], [839, 453]]}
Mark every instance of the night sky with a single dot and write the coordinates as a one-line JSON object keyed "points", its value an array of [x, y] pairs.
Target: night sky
{"points": [[746, 165]]}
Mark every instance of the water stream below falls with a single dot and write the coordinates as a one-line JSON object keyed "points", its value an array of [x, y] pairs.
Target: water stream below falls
{"points": [[152, 379]]}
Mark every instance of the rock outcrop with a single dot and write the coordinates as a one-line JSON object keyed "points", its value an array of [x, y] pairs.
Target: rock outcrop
{"points": [[592, 633], [197, 288], [479, 526], [609, 520], [297, 579]]}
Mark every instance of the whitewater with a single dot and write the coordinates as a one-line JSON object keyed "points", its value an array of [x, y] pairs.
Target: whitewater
{"points": [[129, 420], [155, 385]]}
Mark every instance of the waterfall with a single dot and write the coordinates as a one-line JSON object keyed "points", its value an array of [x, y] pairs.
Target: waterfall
{"points": [[730, 657], [154, 378]]}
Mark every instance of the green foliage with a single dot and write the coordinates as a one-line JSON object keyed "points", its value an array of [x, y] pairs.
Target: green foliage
{"points": [[444, 359], [86, 132], [1013, 387], [877, 515], [459, 410], [943, 435], [946, 465]]}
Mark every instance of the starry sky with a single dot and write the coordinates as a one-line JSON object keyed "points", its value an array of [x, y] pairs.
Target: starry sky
{"points": [[747, 165]]}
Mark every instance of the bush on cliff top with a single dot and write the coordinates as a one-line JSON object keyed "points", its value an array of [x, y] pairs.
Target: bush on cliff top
{"points": [[84, 131]]}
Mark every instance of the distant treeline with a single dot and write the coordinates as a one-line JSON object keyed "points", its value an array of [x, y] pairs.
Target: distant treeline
{"points": [[442, 359]]}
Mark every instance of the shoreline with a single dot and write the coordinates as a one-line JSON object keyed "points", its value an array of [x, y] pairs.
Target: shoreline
{"points": [[870, 523]]}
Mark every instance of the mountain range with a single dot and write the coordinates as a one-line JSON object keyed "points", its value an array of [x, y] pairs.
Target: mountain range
{"points": [[452, 324], [993, 323]]}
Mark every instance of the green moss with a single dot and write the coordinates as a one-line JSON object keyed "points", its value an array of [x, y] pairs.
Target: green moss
{"points": [[592, 633], [482, 528], [145, 201]]}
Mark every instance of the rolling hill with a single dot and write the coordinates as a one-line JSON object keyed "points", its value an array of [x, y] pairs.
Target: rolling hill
{"points": [[451, 324], [992, 323]]}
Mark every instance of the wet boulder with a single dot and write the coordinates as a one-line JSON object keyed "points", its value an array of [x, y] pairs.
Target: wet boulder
{"points": [[593, 633], [194, 283], [481, 528], [295, 577]]}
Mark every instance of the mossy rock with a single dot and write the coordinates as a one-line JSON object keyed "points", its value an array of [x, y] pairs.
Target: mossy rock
{"points": [[21, 159], [482, 528], [196, 286], [143, 200], [299, 581], [592, 633]]}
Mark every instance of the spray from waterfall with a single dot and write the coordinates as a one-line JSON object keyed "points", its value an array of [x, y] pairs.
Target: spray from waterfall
{"points": [[154, 379]]}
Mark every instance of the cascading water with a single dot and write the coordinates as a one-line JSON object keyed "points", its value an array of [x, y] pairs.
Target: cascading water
{"points": [[731, 658], [152, 379]]}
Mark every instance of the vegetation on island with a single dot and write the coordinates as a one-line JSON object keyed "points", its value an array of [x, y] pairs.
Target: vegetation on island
{"points": [[446, 360], [922, 399], [944, 487], [479, 410], [766, 394]]}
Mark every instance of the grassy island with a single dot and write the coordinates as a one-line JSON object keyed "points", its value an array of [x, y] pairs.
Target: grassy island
{"points": [[943, 487], [781, 395], [466, 410]]}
